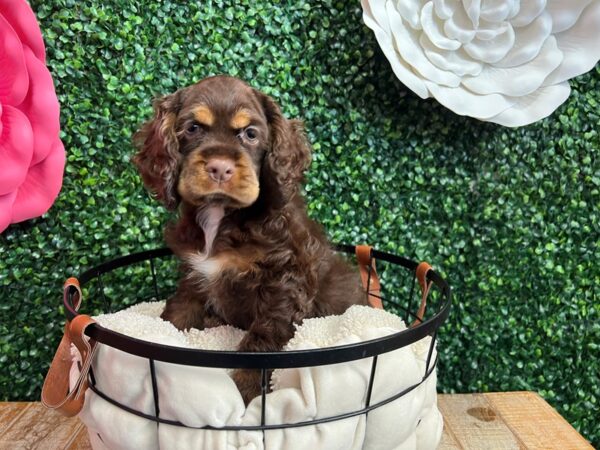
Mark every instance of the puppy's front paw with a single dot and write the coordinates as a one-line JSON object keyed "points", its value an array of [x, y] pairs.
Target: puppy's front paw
{"points": [[213, 321], [248, 383], [178, 318]]}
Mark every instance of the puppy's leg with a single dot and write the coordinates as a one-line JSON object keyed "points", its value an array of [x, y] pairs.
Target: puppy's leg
{"points": [[187, 308], [261, 337], [339, 288], [184, 313]]}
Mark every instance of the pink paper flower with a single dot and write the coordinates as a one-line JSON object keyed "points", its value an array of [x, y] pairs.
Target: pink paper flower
{"points": [[32, 156]]}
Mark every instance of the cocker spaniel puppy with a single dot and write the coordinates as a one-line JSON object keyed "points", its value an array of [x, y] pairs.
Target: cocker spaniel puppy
{"points": [[223, 153]]}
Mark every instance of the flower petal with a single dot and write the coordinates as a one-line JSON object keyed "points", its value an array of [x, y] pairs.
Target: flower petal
{"points": [[528, 41], [16, 149], [402, 70], [20, 16], [459, 27], [529, 10], [490, 30], [496, 10], [407, 44], [520, 80], [42, 185], [411, 11], [473, 9], [6, 206], [41, 107], [492, 50], [432, 27], [457, 62], [533, 107], [444, 9], [516, 7], [581, 51], [375, 11], [466, 103], [565, 13], [13, 75]]}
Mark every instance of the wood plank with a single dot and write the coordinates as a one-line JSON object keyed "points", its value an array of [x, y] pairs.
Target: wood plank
{"points": [[448, 441], [39, 428], [474, 424], [9, 412], [538, 425], [81, 441], [512, 420]]}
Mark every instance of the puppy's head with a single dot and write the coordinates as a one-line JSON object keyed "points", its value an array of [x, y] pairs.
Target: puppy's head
{"points": [[220, 142]]}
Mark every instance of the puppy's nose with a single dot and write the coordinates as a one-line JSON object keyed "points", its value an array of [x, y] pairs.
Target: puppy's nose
{"points": [[220, 170]]}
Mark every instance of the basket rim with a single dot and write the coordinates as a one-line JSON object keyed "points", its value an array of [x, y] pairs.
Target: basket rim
{"points": [[261, 360]]}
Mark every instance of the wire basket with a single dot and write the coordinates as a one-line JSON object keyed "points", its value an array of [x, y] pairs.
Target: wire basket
{"points": [[102, 285]]}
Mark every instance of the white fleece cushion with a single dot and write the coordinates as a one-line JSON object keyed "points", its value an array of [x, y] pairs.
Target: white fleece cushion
{"points": [[200, 396]]}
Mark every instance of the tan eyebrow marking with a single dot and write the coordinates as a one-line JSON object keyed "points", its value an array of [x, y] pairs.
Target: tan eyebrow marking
{"points": [[204, 115], [241, 119]]}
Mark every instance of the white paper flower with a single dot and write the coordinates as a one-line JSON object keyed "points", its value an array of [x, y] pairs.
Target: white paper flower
{"points": [[503, 61]]}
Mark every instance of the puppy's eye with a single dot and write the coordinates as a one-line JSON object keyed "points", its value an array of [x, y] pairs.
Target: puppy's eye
{"points": [[250, 134], [193, 127]]}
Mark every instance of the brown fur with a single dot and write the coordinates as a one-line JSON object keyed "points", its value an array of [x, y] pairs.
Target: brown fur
{"points": [[273, 266]]}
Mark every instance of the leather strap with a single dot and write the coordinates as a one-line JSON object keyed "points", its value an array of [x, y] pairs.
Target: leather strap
{"points": [[370, 281], [55, 392], [73, 283], [421, 274], [368, 275]]}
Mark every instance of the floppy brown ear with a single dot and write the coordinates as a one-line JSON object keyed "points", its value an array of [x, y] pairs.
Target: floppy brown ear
{"points": [[158, 154], [288, 155]]}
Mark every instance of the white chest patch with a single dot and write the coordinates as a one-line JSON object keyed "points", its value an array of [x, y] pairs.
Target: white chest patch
{"points": [[209, 220], [204, 268]]}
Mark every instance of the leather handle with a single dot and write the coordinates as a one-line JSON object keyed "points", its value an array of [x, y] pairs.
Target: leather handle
{"points": [[371, 284], [368, 275], [56, 392], [421, 274]]}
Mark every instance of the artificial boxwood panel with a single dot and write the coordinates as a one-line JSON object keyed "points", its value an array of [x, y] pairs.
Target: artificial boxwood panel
{"points": [[509, 216]]}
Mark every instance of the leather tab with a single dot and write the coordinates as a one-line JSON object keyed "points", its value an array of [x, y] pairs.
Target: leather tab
{"points": [[72, 282], [421, 273], [368, 275], [56, 392], [77, 335]]}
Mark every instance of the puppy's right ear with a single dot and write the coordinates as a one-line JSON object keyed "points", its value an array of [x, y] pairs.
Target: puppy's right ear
{"points": [[158, 154]]}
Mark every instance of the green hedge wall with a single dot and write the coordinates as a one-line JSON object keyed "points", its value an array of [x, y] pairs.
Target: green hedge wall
{"points": [[510, 217]]}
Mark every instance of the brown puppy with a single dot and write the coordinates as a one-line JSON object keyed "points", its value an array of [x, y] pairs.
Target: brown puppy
{"points": [[250, 256]]}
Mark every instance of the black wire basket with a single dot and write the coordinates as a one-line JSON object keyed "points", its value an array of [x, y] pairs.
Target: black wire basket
{"points": [[398, 280]]}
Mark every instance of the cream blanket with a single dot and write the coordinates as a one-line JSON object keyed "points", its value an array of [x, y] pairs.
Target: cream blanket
{"points": [[199, 396]]}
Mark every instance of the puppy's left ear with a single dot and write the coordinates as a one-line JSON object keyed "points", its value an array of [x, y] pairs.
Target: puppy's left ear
{"points": [[288, 155]]}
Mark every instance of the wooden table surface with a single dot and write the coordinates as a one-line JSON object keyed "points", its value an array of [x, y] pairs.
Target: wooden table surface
{"points": [[496, 421]]}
